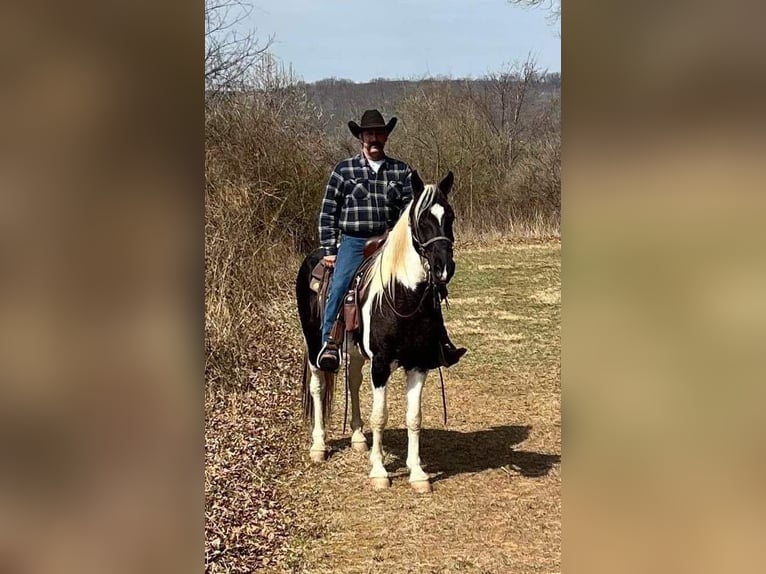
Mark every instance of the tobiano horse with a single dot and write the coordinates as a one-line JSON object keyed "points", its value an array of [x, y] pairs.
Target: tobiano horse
{"points": [[400, 325]]}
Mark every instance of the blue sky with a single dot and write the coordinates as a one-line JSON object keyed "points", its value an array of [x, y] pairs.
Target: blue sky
{"points": [[364, 39]]}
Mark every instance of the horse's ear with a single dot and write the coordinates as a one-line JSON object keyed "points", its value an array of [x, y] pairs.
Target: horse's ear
{"points": [[446, 184], [417, 184]]}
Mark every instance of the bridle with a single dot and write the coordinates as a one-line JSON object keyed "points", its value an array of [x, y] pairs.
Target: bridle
{"points": [[420, 247]]}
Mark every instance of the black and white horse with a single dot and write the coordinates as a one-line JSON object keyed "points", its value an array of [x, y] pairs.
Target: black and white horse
{"points": [[400, 326]]}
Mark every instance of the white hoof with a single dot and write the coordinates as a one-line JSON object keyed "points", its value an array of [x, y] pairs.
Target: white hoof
{"points": [[360, 446], [421, 486], [318, 455], [380, 483]]}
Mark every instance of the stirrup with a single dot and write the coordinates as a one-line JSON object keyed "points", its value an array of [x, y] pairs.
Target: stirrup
{"points": [[328, 358]]}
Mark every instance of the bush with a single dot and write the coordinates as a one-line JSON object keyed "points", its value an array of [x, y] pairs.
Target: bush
{"points": [[266, 164]]}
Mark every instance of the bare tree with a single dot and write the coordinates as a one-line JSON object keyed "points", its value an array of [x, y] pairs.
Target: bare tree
{"points": [[502, 102], [230, 54], [554, 6]]}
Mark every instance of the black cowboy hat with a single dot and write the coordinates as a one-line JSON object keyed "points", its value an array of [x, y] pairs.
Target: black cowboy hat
{"points": [[371, 119]]}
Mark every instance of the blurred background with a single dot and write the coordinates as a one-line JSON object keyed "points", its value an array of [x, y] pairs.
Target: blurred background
{"points": [[101, 287], [664, 277]]}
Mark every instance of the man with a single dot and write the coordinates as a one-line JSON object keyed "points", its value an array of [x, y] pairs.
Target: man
{"points": [[364, 198]]}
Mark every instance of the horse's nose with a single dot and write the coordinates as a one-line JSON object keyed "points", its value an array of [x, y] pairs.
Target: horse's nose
{"points": [[441, 275]]}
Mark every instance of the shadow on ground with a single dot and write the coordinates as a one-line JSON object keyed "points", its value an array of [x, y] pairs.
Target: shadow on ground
{"points": [[447, 453]]}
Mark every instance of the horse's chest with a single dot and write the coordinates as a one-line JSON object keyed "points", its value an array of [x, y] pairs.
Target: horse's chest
{"points": [[412, 343], [418, 336]]}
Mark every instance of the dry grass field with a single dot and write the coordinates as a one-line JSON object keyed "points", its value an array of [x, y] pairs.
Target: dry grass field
{"points": [[496, 504]]}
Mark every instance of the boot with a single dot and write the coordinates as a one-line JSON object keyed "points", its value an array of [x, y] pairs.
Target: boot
{"points": [[328, 358], [451, 353]]}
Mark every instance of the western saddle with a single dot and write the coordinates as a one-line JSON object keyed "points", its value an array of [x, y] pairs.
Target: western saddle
{"points": [[320, 282]]}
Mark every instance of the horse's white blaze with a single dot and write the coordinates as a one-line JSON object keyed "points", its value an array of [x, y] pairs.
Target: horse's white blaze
{"points": [[378, 421], [318, 433], [438, 212], [415, 381]]}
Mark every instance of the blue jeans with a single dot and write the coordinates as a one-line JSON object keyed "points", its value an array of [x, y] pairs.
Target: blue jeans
{"points": [[350, 257]]}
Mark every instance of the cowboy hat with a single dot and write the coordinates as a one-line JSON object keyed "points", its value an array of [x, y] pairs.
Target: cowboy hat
{"points": [[371, 119]]}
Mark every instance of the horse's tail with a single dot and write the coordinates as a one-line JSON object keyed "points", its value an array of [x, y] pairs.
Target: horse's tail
{"points": [[328, 393]]}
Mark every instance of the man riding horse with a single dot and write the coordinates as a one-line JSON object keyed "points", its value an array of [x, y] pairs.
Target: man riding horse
{"points": [[364, 197]]}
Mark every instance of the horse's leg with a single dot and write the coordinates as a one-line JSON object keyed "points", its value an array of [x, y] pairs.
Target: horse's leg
{"points": [[380, 372], [418, 478], [318, 450], [356, 361]]}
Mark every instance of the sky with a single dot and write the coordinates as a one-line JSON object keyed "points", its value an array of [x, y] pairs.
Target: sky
{"points": [[364, 39]]}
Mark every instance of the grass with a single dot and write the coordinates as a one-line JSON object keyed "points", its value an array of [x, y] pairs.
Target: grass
{"points": [[496, 503]]}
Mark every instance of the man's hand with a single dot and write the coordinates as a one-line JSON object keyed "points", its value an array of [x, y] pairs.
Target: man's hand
{"points": [[329, 261]]}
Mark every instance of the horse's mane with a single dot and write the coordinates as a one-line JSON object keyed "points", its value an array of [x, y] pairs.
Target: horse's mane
{"points": [[397, 260]]}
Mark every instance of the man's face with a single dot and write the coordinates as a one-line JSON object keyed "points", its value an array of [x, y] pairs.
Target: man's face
{"points": [[373, 142]]}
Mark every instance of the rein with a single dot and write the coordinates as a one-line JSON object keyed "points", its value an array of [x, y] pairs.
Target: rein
{"points": [[420, 247], [390, 301]]}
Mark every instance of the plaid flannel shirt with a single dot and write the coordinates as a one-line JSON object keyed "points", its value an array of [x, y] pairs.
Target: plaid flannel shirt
{"points": [[362, 203]]}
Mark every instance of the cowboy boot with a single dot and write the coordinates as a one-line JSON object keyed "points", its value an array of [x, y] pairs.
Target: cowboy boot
{"points": [[450, 352], [328, 358]]}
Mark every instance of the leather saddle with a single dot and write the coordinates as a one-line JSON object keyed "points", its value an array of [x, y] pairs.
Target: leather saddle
{"points": [[319, 282]]}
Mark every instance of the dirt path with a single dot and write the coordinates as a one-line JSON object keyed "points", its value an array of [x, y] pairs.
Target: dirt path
{"points": [[495, 466]]}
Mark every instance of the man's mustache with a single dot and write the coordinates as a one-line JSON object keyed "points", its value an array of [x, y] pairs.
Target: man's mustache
{"points": [[370, 144]]}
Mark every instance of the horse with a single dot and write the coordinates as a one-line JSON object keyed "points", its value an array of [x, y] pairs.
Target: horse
{"points": [[400, 325]]}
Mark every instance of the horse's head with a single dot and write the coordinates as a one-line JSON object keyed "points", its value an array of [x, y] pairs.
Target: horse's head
{"points": [[431, 220]]}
